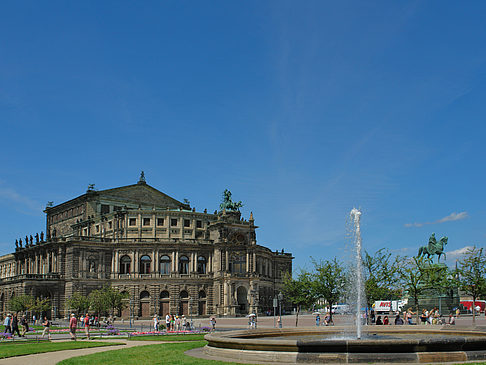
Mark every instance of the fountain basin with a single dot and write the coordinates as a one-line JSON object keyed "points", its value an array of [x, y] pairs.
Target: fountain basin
{"points": [[380, 344]]}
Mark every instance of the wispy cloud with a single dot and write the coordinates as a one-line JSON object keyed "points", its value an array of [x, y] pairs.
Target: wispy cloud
{"points": [[451, 217], [456, 254], [10, 195]]}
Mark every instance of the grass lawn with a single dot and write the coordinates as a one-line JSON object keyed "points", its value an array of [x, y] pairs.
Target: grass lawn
{"points": [[167, 354], [31, 347], [192, 337]]}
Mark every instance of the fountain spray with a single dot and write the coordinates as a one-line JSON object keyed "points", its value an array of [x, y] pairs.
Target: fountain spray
{"points": [[356, 215]]}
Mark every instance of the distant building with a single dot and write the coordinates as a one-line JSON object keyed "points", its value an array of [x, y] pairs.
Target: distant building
{"points": [[167, 256]]}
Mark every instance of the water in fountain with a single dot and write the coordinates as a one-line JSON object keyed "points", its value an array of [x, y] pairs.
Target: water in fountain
{"points": [[358, 290]]}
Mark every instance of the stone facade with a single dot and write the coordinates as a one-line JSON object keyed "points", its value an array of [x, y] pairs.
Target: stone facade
{"points": [[167, 256]]}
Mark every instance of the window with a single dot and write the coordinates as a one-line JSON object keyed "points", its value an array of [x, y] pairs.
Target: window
{"points": [[202, 294], [164, 295], [105, 209], [201, 265], [110, 224], [239, 264], [132, 221], [145, 264], [146, 221], [145, 295], [184, 294], [125, 262], [198, 224], [165, 265], [173, 222], [187, 223], [184, 265], [160, 221], [97, 228], [117, 208]]}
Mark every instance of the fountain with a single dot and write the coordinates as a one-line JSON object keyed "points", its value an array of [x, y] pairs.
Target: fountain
{"points": [[356, 216], [410, 344]]}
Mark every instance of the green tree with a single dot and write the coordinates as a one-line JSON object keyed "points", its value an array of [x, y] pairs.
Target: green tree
{"points": [[329, 281], [298, 291], [41, 306], [21, 303], [413, 277], [78, 303], [382, 276], [98, 301], [114, 299], [471, 273]]}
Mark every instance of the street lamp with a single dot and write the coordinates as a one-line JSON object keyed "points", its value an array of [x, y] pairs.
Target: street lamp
{"points": [[275, 305], [190, 310], [131, 311], [280, 298]]}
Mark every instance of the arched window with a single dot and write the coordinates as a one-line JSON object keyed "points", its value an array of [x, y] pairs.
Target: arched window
{"points": [[201, 265], [165, 265], [184, 294], [145, 264], [125, 262], [184, 265], [145, 295], [164, 295], [202, 294]]}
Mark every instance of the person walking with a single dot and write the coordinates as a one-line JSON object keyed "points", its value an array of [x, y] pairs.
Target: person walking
{"points": [[318, 320], [8, 324], [25, 325], [46, 331], [212, 322], [73, 324], [86, 325], [167, 322], [156, 324], [15, 325]]}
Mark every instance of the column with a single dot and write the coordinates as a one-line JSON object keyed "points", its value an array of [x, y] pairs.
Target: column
{"points": [[136, 263], [154, 263], [113, 264], [247, 261], [226, 266]]}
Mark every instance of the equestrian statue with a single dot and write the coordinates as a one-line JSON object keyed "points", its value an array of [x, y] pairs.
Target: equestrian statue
{"points": [[434, 247], [228, 204]]}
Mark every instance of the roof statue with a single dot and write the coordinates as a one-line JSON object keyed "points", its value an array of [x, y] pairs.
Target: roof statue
{"points": [[141, 180], [228, 204], [434, 248]]}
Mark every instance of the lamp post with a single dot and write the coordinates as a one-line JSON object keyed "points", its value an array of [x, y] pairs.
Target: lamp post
{"points": [[280, 298], [131, 311], [275, 305], [190, 310]]}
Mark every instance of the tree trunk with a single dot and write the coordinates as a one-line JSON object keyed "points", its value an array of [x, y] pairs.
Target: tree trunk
{"points": [[297, 316], [474, 310]]}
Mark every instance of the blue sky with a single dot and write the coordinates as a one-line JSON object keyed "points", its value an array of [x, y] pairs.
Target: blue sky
{"points": [[302, 109]]}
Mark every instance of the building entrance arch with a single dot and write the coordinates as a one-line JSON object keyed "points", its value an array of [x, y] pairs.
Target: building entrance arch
{"points": [[242, 300]]}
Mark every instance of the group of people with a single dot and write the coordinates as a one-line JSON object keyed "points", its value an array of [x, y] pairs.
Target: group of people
{"points": [[85, 321], [426, 317], [12, 323], [327, 320], [174, 323]]}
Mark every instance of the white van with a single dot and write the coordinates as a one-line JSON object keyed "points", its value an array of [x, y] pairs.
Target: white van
{"points": [[340, 309]]}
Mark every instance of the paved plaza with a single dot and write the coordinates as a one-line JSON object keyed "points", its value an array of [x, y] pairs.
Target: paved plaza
{"points": [[223, 324]]}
